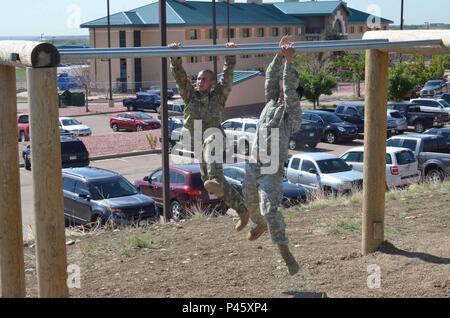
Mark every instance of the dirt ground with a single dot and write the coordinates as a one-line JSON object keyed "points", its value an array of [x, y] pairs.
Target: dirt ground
{"points": [[205, 257]]}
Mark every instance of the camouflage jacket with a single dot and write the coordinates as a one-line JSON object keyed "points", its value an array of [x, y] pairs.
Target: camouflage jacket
{"points": [[285, 116], [207, 107]]}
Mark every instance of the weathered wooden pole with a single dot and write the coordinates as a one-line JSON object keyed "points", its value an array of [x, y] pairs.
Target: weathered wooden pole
{"points": [[48, 201], [12, 275], [375, 150]]}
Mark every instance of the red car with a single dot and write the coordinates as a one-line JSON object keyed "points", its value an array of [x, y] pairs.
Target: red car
{"points": [[23, 126], [136, 121], [186, 190]]}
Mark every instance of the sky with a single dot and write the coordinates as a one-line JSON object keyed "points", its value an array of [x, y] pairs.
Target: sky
{"points": [[63, 17]]}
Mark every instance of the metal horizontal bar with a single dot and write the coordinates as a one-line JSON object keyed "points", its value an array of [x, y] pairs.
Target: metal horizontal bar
{"points": [[211, 50]]}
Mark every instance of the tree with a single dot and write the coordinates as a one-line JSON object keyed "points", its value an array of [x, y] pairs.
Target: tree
{"points": [[351, 67], [399, 82], [316, 84]]}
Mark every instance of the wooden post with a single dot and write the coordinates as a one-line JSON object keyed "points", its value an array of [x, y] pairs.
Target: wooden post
{"points": [[12, 274], [375, 122], [48, 202]]}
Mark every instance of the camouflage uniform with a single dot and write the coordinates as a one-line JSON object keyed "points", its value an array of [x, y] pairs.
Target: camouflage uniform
{"points": [[208, 107], [264, 192]]}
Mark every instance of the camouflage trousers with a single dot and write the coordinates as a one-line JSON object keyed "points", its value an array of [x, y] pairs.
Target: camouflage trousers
{"points": [[263, 194], [211, 169]]}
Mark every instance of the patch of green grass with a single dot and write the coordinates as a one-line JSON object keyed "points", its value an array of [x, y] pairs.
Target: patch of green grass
{"points": [[21, 73], [141, 243]]}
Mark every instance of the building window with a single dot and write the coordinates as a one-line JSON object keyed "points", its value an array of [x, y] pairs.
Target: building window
{"points": [[122, 39], [137, 38], [192, 59], [287, 31], [260, 55], [361, 29], [245, 32], [246, 56], [260, 32], [384, 27], [225, 33], [193, 34], [210, 33], [352, 29], [275, 32]]}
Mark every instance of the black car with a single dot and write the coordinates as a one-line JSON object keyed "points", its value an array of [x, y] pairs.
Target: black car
{"points": [[333, 128], [98, 195], [143, 101], [73, 152], [445, 97], [293, 194], [440, 132], [308, 134], [174, 125]]}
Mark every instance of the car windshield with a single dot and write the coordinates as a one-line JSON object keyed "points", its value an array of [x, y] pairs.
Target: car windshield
{"points": [[111, 188], [444, 103], [331, 118], [433, 83], [143, 116], [70, 122], [360, 109], [333, 165], [395, 114]]}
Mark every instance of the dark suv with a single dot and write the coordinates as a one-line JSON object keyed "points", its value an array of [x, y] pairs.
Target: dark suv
{"points": [[186, 190], [308, 134], [98, 195], [73, 152]]}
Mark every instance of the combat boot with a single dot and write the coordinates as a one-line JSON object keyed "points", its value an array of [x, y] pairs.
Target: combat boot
{"points": [[257, 231], [289, 259], [214, 186], [244, 216]]}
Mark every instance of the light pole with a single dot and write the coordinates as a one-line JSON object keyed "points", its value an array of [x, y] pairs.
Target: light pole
{"points": [[401, 17], [214, 34], [228, 20], [110, 96]]}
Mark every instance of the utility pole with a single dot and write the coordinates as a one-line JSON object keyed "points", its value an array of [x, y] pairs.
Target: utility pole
{"points": [[110, 97], [214, 34], [401, 17], [228, 20]]}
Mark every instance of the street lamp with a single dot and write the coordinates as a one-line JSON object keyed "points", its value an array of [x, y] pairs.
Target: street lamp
{"points": [[401, 17], [110, 97]]}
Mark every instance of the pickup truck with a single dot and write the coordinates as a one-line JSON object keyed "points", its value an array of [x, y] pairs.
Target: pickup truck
{"points": [[143, 101], [431, 151], [23, 127], [353, 112], [418, 119]]}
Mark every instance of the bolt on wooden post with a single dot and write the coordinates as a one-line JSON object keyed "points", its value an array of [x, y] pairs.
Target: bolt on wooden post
{"points": [[374, 186], [12, 275], [47, 183]]}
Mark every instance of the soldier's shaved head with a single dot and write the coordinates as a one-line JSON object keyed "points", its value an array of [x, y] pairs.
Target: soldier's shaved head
{"points": [[205, 80]]}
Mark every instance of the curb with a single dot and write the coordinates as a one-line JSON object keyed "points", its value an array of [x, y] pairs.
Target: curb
{"points": [[119, 155], [96, 113]]}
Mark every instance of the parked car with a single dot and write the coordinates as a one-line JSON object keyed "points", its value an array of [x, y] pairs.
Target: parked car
{"points": [[157, 90], [445, 132], [401, 165], [309, 134], [74, 126], [420, 120], [431, 105], [242, 131], [431, 152], [323, 172], [98, 195], [143, 101], [23, 126], [445, 97], [73, 153], [434, 87], [354, 113], [173, 109], [186, 190], [400, 120], [135, 121], [334, 129], [293, 194], [174, 131]]}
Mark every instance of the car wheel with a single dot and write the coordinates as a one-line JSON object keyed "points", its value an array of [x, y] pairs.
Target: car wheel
{"points": [[313, 145], [418, 127], [139, 128], [115, 128], [330, 137], [176, 210], [22, 136], [435, 175], [292, 144]]}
